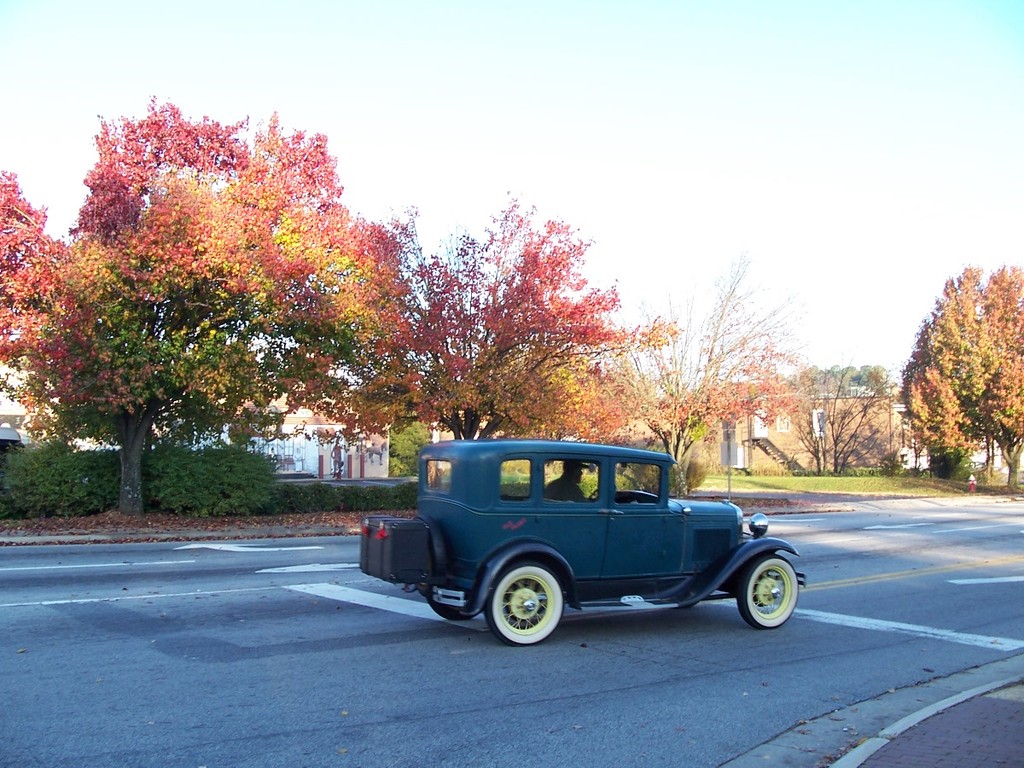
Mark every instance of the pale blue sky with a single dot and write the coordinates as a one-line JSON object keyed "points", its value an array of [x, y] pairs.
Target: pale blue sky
{"points": [[859, 153]]}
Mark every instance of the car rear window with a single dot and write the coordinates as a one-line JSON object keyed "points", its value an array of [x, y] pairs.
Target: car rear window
{"points": [[439, 475]]}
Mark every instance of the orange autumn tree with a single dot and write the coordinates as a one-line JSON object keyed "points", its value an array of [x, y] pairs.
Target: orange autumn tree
{"points": [[964, 383], [206, 276], [485, 330]]}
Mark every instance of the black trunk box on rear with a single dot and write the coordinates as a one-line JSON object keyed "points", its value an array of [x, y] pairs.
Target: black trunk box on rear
{"points": [[395, 549]]}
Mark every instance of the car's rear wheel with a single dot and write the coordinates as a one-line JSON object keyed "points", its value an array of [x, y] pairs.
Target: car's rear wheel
{"points": [[445, 611], [525, 604], [766, 592]]}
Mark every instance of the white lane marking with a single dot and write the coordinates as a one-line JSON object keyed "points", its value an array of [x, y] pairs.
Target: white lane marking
{"points": [[311, 568], [994, 580], [244, 548], [857, 622], [392, 603], [830, 541], [977, 528], [120, 598], [91, 565], [796, 520], [895, 527]]}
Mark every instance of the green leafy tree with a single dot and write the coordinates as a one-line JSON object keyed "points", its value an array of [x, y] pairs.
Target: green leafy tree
{"points": [[206, 277], [405, 447]]}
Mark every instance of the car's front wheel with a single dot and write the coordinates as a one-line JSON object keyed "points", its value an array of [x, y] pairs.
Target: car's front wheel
{"points": [[766, 592], [525, 604]]}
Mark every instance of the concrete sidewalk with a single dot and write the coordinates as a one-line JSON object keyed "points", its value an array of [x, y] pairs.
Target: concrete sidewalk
{"points": [[972, 719], [983, 728]]}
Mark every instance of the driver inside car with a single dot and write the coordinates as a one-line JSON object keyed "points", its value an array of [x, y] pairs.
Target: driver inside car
{"points": [[567, 486]]}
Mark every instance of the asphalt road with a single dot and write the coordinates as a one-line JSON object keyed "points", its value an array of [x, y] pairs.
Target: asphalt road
{"points": [[281, 653]]}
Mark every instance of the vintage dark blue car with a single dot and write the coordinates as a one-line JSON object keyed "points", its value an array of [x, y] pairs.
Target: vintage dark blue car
{"points": [[520, 528]]}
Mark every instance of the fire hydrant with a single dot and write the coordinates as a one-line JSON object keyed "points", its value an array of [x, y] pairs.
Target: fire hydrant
{"points": [[972, 484]]}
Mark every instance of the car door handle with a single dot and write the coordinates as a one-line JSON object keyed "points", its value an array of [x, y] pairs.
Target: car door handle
{"points": [[611, 512]]}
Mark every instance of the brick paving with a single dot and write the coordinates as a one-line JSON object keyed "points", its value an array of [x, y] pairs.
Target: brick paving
{"points": [[984, 732]]}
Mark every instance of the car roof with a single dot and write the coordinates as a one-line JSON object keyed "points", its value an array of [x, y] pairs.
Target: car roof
{"points": [[560, 449]]}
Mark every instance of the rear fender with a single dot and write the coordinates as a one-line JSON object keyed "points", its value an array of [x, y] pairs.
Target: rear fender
{"points": [[498, 561], [438, 552]]}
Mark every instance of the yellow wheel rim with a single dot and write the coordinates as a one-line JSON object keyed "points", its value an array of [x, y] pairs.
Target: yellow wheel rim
{"points": [[525, 605], [773, 589]]}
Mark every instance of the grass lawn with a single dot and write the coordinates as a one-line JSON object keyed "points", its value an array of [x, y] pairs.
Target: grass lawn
{"points": [[889, 486]]}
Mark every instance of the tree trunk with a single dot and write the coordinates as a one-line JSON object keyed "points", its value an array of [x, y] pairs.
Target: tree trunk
{"points": [[133, 430], [463, 424], [1012, 454]]}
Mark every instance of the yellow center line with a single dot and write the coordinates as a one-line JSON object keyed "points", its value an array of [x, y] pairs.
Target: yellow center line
{"points": [[895, 575]]}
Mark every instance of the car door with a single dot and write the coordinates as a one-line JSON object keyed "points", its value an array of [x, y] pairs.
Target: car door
{"points": [[644, 537], [571, 515]]}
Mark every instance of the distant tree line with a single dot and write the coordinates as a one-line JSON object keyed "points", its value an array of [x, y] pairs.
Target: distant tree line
{"points": [[214, 269]]}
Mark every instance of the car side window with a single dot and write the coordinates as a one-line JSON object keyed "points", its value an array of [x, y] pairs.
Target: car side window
{"points": [[439, 476], [515, 480], [637, 482], [571, 480]]}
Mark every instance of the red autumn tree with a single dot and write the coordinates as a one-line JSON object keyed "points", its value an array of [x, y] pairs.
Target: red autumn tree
{"points": [[205, 276], [29, 260], [685, 377], [964, 383], [486, 330]]}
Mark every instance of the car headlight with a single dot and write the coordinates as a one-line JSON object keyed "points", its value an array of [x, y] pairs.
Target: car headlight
{"points": [[758, 525]]}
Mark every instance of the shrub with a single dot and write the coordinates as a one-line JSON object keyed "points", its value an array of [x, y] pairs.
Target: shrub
{"points": [[303, 498], [209, 482], [405, 447], [6, 503], [53, 479], [949, 463], [767, 470], [892, 464], [403, 496], [696, 474]]}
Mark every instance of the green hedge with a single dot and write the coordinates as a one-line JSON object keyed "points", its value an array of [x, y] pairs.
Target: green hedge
{"points": [[52, 479], [209, 482], [300, 498]]}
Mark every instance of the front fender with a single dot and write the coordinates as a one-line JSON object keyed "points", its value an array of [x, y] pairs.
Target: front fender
{"points": [[725, 568], [499, 560]]}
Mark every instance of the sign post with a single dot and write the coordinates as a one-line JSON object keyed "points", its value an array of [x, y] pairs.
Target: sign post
{"points": [[728, 452]]}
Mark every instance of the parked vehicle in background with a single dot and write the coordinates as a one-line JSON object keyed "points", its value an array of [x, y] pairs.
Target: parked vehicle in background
{"points": [[518, 529]]}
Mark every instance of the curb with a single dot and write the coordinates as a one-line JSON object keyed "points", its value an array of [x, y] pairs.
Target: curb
{"points": [[833, 738], [159, 536], [866, 749]]}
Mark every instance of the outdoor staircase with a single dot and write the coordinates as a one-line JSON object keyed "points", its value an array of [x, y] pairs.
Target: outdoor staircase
{"points": [[776, 453]]}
